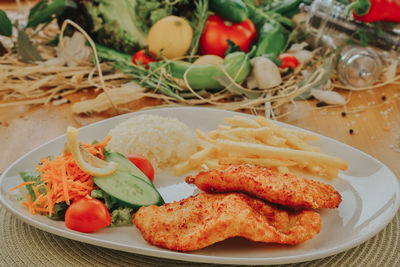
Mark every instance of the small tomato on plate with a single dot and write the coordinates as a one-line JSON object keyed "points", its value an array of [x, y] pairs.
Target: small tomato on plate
{"points": [[288, 61], [143, 164], [143, 57], [217, 32], [87, 215]]}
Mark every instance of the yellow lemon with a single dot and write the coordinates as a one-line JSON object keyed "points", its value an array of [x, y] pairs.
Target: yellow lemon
{"points": [[171, 37], [85, 160]]}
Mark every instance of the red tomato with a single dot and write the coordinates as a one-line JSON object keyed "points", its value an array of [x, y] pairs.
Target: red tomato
{"points": [[87, 215], [216, 33], [143, 164], [143, 57], [288, 61]]}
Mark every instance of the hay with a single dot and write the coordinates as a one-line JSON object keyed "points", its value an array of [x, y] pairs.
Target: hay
{"points": [[39, 84]]}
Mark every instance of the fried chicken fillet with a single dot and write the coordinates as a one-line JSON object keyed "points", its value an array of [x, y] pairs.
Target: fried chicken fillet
{"points": [[199, 221], [284, 189]]}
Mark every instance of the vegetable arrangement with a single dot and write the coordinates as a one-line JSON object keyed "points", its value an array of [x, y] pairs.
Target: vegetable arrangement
{"points": [[179, 33], [78, 188]]}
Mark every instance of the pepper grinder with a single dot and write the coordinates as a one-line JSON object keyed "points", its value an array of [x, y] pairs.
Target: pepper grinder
{"points": [[358, 66]]}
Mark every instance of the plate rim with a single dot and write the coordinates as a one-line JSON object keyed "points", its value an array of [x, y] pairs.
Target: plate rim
{"points": [[183, 256]]}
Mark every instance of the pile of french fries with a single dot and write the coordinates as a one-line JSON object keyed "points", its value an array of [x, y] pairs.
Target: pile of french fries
{"points": [[259, 141]]}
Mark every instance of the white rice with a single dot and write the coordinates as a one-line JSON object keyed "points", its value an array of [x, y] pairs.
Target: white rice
{"points": [[164, 141]]}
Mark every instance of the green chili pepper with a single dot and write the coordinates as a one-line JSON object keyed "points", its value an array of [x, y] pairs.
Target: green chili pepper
{"points": [[236, 64], [232, 10], [271, 40], [285, 7]]}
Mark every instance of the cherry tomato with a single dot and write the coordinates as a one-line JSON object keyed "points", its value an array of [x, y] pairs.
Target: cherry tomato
{"points": [[143, 57], [288, 61], [87, 215], [143, 164], [217, 31]]}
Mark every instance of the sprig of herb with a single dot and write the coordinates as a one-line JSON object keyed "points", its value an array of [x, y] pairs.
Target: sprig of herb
{"points": [[201, 15], [152, 78]]}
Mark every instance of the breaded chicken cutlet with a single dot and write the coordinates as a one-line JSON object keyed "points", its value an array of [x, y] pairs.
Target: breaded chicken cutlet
{"points": [[199, 221], [284, 189]]}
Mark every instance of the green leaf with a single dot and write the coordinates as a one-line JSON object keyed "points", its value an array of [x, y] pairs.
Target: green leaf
{"points": [[312, 83], [110, 202], [26, 49], [5, 24], [59, 211], [29, 176], [232, 47], [45, 11]]}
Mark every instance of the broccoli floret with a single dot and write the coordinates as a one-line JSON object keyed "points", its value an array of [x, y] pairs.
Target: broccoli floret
{"points": [[117, 25], [123, 25], [121, 216]]}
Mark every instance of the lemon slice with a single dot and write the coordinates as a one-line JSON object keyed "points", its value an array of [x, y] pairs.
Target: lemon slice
{"points": [[85, 160]]}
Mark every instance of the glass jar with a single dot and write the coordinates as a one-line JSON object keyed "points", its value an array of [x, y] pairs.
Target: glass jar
{"points": [[358, 66]]}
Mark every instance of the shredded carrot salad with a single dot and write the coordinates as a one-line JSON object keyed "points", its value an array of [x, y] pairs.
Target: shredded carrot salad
{"points": [[62, 179]]}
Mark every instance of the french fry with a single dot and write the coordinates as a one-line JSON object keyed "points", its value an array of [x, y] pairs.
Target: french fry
{"points": [[290, 154], [325, 171], [212, 164], [241, 121], [260, 141], [250, 131], [296, 142], [264, 122], [198, 158], [275, 141], [266, 162], [263, 135], [223, 135], [224, 127], [203, 136]]}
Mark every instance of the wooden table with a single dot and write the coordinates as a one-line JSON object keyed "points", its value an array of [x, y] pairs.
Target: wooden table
{"points": [[375, 127], [375, 124]]}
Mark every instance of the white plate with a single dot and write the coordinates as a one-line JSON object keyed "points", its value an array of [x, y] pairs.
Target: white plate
{"points": [[370, 193]]}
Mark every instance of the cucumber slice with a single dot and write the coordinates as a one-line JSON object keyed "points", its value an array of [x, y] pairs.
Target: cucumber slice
{"points": [[129, 189], [128, 184], [126, 165]]}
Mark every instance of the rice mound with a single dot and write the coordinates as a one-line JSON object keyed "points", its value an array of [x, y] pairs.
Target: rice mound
{"points": [[162, 140]]}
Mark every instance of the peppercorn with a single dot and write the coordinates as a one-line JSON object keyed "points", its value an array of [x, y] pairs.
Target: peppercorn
{"points": [[343, 114], [321, 104], [351, 131], [383, 97], [59, 97], [68, 101]]}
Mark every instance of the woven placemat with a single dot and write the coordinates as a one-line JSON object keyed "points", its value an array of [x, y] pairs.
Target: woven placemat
{"points": [[24, 245]]}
